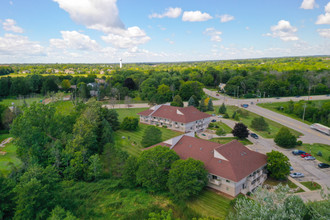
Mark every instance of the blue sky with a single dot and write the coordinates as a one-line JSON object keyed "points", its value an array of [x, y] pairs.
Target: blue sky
{"points": [[103, 31]]}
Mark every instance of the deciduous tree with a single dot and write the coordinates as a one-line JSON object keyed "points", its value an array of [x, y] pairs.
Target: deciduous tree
{"points": [[240, 130], [285, 138], [152, 135], [278, 165]]}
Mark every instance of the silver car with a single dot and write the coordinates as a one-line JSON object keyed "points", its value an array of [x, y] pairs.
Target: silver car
{"points": [[309, 158], [296, 175]]}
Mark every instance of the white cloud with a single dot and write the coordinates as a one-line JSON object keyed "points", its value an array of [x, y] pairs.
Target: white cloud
{"points": [[74, 40], [284, 31], [11, 2], [169, 12], [169, 41], [308, 4], [10, 25], [226, 18], [324, 32], [11, 44], [324, 19], [100, 15], [131, 37], [215, 34], [194, 16]]}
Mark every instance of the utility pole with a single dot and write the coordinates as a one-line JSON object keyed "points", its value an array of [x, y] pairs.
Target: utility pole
{"points": [[304, 112], [237, 95], [309, 91]]}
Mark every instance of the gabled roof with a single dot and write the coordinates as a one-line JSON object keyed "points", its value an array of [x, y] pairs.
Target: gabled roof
{"points": [[232, 161], [178, 114]]}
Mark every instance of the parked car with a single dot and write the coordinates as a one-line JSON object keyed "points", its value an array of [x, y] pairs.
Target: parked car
{"points": [[323, 165], [217, 94], [305, 155], [203, 134], [309, 158], [244, 105], [213, 114], [291, 168], [296, 175], [255, 136], [220, 116], [298, 152], [213, 120]]}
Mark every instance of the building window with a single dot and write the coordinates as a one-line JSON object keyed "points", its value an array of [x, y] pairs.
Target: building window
{"points": [[244, 186], [228, 181], [214, 177], [227, 188]]}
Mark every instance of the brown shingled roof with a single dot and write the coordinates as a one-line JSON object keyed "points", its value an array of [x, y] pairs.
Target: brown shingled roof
{"points": [[240, 162], [189, 114]]}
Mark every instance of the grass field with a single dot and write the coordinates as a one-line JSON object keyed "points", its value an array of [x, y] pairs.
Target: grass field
{"points": [[222, 125], [64, 107], [132, 141], [315, 148], [226, 140], [19, 102], [274, 107], [9, 157], [311, 185], [274, 127], [208, 203]]}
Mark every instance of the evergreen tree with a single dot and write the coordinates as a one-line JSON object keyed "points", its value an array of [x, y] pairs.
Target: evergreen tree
{"points": [[222, 109], [202, 106], [191, 101], [210, 105]]}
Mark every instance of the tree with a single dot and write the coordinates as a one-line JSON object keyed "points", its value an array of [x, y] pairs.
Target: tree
{"points": [[277, 204], [129, 173], [58, 213], [164, 91], [7, 198], [285, 138], [222, 109], [83, 91], [187, 178], [210, 105], [191, 101], [202, 106], [94, 171], [177, 101], [152, 135], [190, 88], [154, 165], [49, 85], [66, 84], [259, 124], [7, 117], [278, 165], [240, 130], [37, 193], [130, 123], [129, 83]]}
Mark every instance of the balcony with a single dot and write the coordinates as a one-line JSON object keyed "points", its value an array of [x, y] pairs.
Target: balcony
{"points": [[215, 182]]}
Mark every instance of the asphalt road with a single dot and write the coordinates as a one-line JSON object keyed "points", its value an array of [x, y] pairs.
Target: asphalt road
{"points": [[309, 135]]}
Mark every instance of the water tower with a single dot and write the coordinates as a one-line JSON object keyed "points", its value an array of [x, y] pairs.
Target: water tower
{"points": [[120, 63]]}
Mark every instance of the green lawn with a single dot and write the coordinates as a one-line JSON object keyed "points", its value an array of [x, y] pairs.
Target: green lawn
{"points": [[19, 102], [315, 148], [274, 127], [130, 141], [9, 157], [64, 107], [225, 140], [222, 125], [311, 185], [208, 203], [274, 107]]}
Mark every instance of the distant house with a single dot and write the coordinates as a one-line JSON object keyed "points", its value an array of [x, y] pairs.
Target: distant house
{"points": [[184, 119], [232, 167], [26, 71]]}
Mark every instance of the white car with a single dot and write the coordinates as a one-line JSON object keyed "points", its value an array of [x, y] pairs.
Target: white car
{"points": [[296, 175], [309, 158]]}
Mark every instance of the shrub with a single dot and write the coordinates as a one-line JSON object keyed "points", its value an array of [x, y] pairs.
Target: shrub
{"points": [[299, 143], [226, 115], [319, 154], [259, 124], [164, 126], [285, 139], [130, 123], [220, 132]]}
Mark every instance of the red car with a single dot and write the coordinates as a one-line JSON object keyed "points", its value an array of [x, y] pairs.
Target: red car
{"points": [[305, 155]]}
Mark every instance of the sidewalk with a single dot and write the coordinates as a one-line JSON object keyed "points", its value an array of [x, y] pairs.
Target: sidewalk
{"points": [[299, 184]]}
